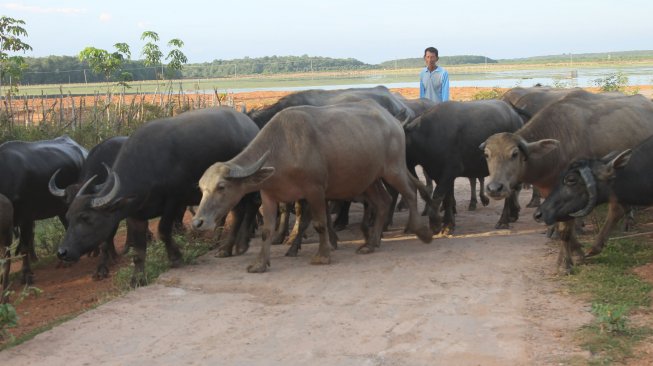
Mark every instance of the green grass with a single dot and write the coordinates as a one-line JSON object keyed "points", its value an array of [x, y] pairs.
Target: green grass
{"points": [[614, 292], [156, 261]]}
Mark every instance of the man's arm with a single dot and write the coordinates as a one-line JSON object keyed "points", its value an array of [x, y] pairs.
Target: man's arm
{"points": [[445, 86]]}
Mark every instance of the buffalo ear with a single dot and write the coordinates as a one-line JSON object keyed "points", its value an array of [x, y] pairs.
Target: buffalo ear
{"points": [[617, 162], [540, 148], [119, 203], [259, 176]]}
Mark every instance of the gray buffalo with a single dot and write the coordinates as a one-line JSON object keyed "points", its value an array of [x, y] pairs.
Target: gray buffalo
{"points": [[315, 153], [579, 125]]}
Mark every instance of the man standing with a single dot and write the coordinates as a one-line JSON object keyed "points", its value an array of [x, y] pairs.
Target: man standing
{"points": [[433, 80]]}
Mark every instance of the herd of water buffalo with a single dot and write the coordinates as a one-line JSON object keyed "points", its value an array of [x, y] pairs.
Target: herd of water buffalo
{"points": [[579, 149]]}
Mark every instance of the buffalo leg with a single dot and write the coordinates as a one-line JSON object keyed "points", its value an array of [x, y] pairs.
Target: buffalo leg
{"points": [[317, 204], [138, 231], [510, 212], [26, 249], [473, 202], [247, 225], [6, 238], [165, 234], [405, 184], [615, 213], [108, 254], [302, 221], [282, 226], [380, 201], [393, 200], [536, 198], [269, 207], [342, 218], [481, 192], [570, 246]]}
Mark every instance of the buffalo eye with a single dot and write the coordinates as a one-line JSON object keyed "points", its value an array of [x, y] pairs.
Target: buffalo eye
{"points": [[487, 156], [515, 154], [85, 218], [570, 180], [220, 187]]}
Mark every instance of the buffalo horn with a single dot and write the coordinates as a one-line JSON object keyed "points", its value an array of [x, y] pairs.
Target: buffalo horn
{"points": [[86, 184], [590, 183], [522, 147], [52, 185], [102, 201], [237, 172]]}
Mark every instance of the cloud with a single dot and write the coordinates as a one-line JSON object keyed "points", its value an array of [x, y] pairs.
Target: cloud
{"points": [[42, 10], [144, 24], [105, 17]]}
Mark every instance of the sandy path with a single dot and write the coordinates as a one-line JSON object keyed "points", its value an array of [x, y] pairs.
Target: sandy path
{"points": [[483, 297]]}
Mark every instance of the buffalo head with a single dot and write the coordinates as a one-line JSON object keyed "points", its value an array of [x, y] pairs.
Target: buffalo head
{"points": [[223, 185], [92, 216], [581, 187], [508, 158]]}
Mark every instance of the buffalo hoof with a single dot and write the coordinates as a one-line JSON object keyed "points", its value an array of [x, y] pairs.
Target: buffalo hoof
{"points": [[401, 206], [242, 248], [27, 279], [513, 218], [424, 234], [472, 206], [533, 203], [319, 259], [101, 273], [593, 251], [138, 280], [447, 231], [292, 252], [339, 226], [176, 263], [364, 249], [257, 267], [485, 201], [501, 225], [223, 253]]}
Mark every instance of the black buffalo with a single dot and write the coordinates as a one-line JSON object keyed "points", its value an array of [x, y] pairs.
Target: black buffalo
{"points": [[620, 179], [445, 142], [156, 174], [101, 155], [6, 239], [26, 170]]}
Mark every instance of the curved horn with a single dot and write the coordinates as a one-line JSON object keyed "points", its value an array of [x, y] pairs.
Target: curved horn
{"points": [[52, 185], [86, 184], [590, 183], [522, 147], [237, 172], [102, 201]]}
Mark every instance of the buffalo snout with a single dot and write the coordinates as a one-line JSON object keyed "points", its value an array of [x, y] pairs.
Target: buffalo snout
{"points": [[197, 224], [537, 215], [66, 255]]}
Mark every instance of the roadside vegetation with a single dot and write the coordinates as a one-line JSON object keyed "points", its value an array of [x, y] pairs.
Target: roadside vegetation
{"points": [[615, 293]]}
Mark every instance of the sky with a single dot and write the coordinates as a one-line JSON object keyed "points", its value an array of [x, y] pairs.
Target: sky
{"points": [[371, 31]]}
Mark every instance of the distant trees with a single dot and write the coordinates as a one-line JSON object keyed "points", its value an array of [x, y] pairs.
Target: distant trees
{"points": [[444, 60], [12, 66], [103, 62]]}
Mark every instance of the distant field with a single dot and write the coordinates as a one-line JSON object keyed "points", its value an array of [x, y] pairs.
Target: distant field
{"points": [[317, 79]]}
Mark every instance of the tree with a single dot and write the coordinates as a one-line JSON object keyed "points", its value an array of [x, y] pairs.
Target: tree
{"points": [[103, 62], [153, 54], [10, 32], [151, 51], [176, 57]]}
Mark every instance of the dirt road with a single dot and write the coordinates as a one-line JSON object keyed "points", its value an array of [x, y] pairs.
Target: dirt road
{"points": [[482, 297]]}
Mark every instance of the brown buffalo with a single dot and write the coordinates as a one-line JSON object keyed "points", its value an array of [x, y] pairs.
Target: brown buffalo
{"points": [[315, 153], [580, 125]]}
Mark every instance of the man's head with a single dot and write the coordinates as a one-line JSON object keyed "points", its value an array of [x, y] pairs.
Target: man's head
{"points": [[431, 57]]}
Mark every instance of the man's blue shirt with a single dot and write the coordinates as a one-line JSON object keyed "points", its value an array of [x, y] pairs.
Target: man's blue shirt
{"points": [[434, 85]]}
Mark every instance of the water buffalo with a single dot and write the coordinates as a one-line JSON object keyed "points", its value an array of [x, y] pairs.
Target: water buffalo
{"points": [[444, 141], [622, 179], [156, 174], [101, 155], [320, 97], [528, 101], [579, 125], [27, 168], [6, 239], [315, 153]]}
